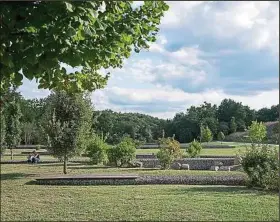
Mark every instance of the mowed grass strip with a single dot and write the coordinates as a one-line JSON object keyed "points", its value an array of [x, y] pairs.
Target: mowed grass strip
{"points": [[135, 203], [22, 202], [205, 151], [29, 170]]}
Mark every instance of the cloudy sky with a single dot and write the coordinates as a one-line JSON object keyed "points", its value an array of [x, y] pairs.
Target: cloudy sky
{"points": [[206, 51]]}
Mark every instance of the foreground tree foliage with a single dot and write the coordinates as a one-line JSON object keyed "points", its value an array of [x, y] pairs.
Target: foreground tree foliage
{"points": [[68, 125], [37, 37]]}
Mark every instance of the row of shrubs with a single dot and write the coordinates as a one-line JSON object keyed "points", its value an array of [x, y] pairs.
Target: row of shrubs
{"points": [[120, 155], [123, 153]]}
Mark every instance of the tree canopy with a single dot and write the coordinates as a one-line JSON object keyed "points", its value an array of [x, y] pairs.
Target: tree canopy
{"points": [[38, 37], [144, 128], [68, 124]]}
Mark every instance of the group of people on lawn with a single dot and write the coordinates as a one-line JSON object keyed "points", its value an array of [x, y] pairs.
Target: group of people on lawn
{"points": [[33, 157]]}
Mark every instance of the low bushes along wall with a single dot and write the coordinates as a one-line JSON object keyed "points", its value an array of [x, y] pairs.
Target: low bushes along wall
{"points": [[185, 145], [151, 156], [194, 163]]}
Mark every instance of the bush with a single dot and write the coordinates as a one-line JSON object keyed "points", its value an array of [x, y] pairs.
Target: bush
{"points": [[123, 153], [206, 134], [169, 151], [97, 150], [194, 149], [261, 165], [257, 132]]}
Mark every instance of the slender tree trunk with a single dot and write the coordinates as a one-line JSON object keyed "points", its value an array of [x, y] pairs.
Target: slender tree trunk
{"points": [[65, 165], [12, 156]]}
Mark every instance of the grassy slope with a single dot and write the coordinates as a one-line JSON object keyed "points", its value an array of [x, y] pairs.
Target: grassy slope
{"points": [[20, 202], [239, 136]]}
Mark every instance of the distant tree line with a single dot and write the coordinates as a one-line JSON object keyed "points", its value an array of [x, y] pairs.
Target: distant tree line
{"points": [[230, 116]]}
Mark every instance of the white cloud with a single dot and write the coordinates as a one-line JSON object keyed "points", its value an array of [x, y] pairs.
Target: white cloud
{"points": [[183, 68], [164, 102], [137, 4], [188, 55], [158, 46], [30, 90], [178, 11], [253, 24]]}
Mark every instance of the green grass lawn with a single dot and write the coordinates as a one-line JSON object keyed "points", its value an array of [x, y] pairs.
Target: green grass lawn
{"points": [[205, 151], [211, 151], [22, 202], [77, 168], [43, 157]]}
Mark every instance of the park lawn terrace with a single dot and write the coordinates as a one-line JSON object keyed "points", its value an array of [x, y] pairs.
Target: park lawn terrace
{"points": [[22, 202]]}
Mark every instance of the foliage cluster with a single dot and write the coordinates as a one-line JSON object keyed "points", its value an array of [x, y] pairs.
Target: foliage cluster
{"points": [[261, 163], [170, 150], [194, 149]]}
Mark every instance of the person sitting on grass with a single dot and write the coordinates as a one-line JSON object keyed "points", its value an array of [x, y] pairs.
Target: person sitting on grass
{"points": [[35, 157], [29, 158]]}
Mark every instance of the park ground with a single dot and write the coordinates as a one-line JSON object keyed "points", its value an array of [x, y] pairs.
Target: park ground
{"points": [[24, 201], [239, 148]]}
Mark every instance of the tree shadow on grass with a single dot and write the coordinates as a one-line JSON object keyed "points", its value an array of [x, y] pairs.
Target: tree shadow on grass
{"points": [[13, 176], [57, 164], [221, 189], [142, 169], [31, 182], [88, 166]]}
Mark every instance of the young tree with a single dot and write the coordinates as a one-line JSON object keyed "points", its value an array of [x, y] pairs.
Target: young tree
{"points": [[38, 36], [28, 130], [232, 125], [221, 137], [257, 132], [169, 151], [13, 130], [206, 134], [194, 149], [97, 150], [69, 125], [123, 153], [3, 130]]}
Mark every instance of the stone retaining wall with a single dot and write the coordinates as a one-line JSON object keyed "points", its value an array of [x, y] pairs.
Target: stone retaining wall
{"points": [[151, 156], [194, 163], [145, 156], [145, 180]]}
